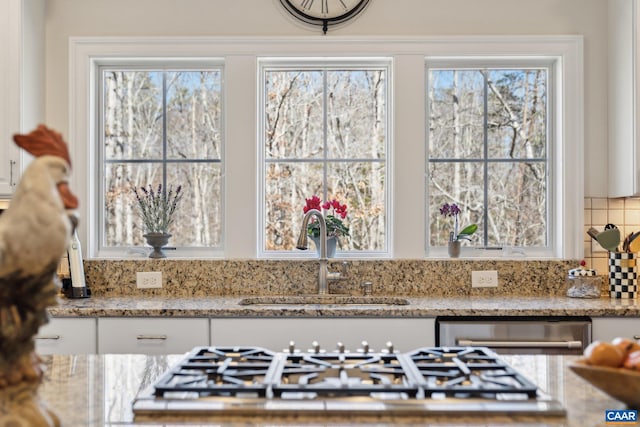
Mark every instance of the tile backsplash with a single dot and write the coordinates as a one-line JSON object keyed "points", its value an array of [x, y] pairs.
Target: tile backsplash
{"points": [[598, 212]]}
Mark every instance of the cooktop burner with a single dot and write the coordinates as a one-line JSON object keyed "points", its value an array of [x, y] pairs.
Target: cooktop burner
{"points": [[250, 380], [473, 371], [219, 371]]}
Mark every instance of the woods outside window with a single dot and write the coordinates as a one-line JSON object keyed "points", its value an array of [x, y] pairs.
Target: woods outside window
{"points": [[325, 132], [161, 126], [488, 152]]}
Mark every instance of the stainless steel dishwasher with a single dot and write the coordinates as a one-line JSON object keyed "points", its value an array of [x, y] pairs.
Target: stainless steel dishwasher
{"points": [[517, 334]]}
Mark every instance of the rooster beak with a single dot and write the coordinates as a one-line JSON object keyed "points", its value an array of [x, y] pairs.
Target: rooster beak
{"points": [[69, 200]]}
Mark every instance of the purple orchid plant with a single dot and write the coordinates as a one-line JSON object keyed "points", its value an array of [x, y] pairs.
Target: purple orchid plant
{"points": [[454, 211]]}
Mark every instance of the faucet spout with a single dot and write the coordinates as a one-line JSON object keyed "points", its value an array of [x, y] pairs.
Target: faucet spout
{"points": [[303, 243], [302, 237]]}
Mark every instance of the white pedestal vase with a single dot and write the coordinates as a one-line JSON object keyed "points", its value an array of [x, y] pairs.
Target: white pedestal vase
{"points": [[332, 243]]}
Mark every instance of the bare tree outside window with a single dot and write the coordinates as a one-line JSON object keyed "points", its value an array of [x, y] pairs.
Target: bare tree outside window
{"points": [[325, 134], [162, 127], [488, 145]]}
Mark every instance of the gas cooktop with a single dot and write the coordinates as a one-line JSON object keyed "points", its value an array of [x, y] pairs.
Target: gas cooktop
{"points": [[254, 380]]}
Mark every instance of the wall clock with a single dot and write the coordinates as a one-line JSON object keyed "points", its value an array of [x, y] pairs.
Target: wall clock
{"points": [[324, 13]]}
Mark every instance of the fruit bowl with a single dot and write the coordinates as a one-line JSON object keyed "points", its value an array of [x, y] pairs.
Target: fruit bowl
{"points": [[619, 383]]}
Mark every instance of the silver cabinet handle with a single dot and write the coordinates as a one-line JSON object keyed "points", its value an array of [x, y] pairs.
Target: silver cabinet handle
{"points": [[521, 344], [151, 337], [48, 337], [11, 165]]}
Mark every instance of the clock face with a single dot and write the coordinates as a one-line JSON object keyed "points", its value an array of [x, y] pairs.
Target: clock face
{"points": [[324, 12]]}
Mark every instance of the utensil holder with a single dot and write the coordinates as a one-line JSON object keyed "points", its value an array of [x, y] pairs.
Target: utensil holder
{"points": [[623, 275]]}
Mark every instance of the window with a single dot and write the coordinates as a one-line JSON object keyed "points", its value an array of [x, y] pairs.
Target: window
{"points": [[488, 152], [258, 207], [161, 127], [325, 132]]}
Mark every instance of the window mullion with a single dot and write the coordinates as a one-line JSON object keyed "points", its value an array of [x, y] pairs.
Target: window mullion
{"points": [[485, 142], [164, 131], [325, 126]]}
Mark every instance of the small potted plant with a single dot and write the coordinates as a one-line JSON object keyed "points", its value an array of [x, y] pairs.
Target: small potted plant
{"points": [[336, 228], [455, 237], [157, 209]]}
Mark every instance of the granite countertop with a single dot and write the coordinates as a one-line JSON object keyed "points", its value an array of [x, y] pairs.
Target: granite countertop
{"points": [[92, 390], [418, 307]]}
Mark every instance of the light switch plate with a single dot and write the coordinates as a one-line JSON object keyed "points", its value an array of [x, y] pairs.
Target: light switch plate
{"points": [[484, 279], [149, 279]]}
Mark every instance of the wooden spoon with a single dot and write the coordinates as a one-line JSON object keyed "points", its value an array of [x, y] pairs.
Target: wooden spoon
{"points": [[634, 243]]}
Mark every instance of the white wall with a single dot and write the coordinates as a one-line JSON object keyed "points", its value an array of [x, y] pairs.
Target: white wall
{"points": [[65, 18]]}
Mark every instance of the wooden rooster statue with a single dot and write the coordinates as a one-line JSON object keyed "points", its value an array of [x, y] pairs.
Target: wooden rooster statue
{"points": [[34, 234]]}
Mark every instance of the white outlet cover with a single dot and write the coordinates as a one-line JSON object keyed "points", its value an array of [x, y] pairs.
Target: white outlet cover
{"points": [[484, 279], [149, 279]]}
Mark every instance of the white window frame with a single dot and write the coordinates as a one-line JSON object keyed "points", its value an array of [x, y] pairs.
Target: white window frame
{"points": [[161, 64], [552, 150], [408, 131], [307, 63]]}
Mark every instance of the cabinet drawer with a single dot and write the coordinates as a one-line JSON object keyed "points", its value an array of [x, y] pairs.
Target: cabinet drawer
{"points": [[67, 336], [608, 328], [151, 335]]}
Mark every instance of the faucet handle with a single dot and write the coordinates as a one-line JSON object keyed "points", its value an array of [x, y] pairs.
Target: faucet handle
{"points": [[338, 275]]}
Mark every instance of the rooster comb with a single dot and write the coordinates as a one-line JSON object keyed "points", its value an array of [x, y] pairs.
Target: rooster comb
{"points": [[43, 141]]}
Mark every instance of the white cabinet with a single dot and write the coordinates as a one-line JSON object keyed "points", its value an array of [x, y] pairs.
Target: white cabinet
{"points": [[67, 336], [607, 328], [624, 114], [275, 333], [21, 81], [151, 335]]}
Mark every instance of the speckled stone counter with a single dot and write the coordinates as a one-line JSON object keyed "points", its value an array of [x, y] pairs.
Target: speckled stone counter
{"points": [[417, 307], [215, 288], [99, 390]]}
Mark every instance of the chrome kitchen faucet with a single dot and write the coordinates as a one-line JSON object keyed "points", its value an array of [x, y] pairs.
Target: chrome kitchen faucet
{"points": [[324, 275]]}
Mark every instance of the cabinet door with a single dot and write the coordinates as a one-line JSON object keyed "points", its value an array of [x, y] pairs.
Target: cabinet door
{"points": [[607, 328], [151, 335], [623, 154], [9, 93], [22, 82], [67, 336], [275, 334]]}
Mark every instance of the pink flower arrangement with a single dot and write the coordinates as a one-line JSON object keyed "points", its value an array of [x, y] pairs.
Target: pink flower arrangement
{"points": [[336, 213]]}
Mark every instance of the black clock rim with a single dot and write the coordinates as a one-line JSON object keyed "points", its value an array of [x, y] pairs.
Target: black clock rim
{"points": [[323, 22]]}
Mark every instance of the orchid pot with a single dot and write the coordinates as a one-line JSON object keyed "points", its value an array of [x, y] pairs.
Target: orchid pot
{"points": [[454, 248]]}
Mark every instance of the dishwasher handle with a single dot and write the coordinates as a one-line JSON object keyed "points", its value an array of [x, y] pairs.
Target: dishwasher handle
{"points": [[520, 344], [151, 337]]}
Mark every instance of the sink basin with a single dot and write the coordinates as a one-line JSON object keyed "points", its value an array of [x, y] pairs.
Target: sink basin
{"points": [[323, 299]]}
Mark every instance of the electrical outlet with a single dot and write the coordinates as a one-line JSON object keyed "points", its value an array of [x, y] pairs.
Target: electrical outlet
{"points": [[484, 279], [149, 279]]}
